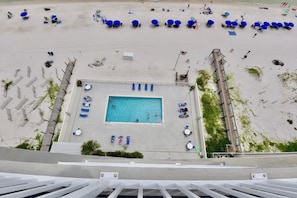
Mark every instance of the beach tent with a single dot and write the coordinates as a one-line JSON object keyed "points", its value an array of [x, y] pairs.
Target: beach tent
{"points": [[155, 22]]}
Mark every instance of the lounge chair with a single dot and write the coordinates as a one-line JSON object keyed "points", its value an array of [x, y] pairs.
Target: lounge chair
{"points": [[182, 104], [152, 87], [112, 139], [85, 110], [120, 139], [133, 87], [128, 140], [87, 98], [83, 115], [139, 87], [145, 87]]}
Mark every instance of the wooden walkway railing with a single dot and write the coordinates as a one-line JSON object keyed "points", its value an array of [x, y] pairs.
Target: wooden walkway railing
{"points": [[50, 130], [226, 105]]}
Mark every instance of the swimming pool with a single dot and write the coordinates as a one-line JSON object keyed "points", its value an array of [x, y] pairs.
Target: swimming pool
{"points": [[134, 109]]}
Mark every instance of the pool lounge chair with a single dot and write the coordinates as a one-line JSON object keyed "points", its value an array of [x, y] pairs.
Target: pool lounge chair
{"points": [[128, 140], [120, 139], [139, 87], [152, 87], [83, 115], [85, 110], [133, 87], [145, 87], [112, 139]]}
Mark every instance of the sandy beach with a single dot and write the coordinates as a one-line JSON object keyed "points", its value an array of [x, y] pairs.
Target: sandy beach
{"points": [[269, 102]]}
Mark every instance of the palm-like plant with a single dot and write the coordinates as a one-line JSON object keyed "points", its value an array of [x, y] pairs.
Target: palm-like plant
{"points": [[89, 147]]}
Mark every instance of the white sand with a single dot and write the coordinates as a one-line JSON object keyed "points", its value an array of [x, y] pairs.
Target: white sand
{"points": [[24, 44]]}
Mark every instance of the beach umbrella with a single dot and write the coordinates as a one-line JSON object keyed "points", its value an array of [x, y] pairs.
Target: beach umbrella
{"points": [[177, 22], [279, 25], [135, 23], [155, 22], [243, 23], [210, 22], [234, 23], [117, 23], [291, 24], [257, 24], [228, 22], [191, 23], [24, 14], [170, 22], [266, 23], [109, 23], [274, 24], [263, 27]]}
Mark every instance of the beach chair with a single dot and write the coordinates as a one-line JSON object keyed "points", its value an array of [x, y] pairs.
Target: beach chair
{"points": [[133, 87], [128, 140], [83, 115], [120, 139], [85, 110], [152, 87], [112, 139]]}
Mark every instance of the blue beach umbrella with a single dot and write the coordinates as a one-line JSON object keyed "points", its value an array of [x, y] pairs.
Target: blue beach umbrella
{"points": [[170, 22], [24, 14], [280, 25], [117, 23], [257, 24], [234, 23], [263, 27], [155, 22], [243, 23], [228, 22], [135, 23], [274, 24], [177, 22], [190, 23], [266, 23], [210, 22], [109, 23]]}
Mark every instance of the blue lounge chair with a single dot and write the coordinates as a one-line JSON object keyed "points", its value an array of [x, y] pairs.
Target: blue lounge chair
{"points": [[139, 87], [85, 110], [152, 87], [145, 87], [127, 140], [83, 115], [112, 139], [133, 87]]}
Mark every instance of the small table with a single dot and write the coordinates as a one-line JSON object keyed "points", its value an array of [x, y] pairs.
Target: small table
{"points": [[78, 132], [187, 132], [189, 145], [88, 87]]}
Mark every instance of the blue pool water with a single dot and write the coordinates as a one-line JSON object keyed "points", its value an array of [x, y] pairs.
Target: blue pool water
{"points": [[134, 109]]}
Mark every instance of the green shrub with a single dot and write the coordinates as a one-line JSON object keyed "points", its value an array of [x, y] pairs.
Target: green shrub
{"points": [[90, 147]]}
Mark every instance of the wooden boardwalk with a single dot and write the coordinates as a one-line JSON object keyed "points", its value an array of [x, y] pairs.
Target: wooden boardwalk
{"points": [[225, 101], [50, 130]]}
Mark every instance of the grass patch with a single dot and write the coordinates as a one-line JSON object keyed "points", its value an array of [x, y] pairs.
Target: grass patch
{"points": [[212, 116], [255, 71]]}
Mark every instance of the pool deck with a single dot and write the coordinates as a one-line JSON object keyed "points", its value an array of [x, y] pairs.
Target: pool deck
{"points": [[155, 141]]}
